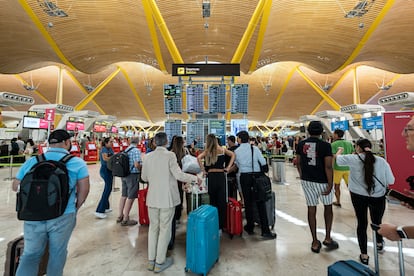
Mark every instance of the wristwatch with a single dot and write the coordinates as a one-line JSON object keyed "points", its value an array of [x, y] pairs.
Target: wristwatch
{"points": [[401, 232]]}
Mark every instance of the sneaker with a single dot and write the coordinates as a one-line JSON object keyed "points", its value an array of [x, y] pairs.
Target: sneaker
{"points": [[269, 236], [129, 222], [108, 210], [151, 265], [161, 267], [100, 215]]}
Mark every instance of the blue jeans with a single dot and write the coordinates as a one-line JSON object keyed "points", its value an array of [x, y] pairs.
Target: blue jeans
{"points": [[104, 202], [36, 235]]}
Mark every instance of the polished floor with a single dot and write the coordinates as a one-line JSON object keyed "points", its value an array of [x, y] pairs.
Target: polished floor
{"points": [[103, 247]]}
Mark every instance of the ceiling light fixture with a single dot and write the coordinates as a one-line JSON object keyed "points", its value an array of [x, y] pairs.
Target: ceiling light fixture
{"points": [[52, 9]]}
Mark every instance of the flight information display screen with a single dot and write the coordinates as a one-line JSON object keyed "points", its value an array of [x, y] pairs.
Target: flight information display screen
{"points": [[195, 131], [218, 128], [172, 128], [239, 98], [195, 98], [217, 98], [172, 99]]}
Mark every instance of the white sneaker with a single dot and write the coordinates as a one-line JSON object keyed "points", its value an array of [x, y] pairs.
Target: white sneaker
{"points": [[108, 210], [100, 215]]}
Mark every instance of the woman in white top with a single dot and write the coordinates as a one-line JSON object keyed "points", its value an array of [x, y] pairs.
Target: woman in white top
{"points": [[368, 180], [28, 151]]}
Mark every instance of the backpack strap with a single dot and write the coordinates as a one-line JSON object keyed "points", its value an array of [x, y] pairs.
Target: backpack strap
{"points": [[66, 158], [40, 158]]}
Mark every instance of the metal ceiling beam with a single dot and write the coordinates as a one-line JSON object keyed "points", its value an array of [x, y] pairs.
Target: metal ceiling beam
{"points": [[97, 90], [153, 33], [82, 88], [241, 49], [281, 92], [322, 93], [169, 41], [356, 95], [34, 91], [262, 30], [331, 91], [45, 34], [137, 97], [368, 34]]}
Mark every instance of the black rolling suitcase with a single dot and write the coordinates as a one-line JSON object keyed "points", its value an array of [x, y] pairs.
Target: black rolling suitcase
{"points": [[13, 253], [351, 267]]}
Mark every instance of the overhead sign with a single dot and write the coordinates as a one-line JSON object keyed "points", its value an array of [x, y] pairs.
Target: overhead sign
{"points": [[219, 69], [50, 114], [342, 125], [372, 123]]}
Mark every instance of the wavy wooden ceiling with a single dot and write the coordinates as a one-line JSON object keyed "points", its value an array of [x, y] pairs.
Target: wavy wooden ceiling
{"points": [[301, 40]]}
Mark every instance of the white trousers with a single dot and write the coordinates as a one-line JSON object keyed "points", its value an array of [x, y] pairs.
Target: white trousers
{"points": [[159, 233]]}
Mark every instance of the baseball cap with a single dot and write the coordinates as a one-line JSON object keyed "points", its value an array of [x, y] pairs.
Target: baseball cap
{"points": [[57, 136]]}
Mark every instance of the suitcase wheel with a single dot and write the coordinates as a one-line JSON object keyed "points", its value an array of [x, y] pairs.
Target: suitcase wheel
{"points": [[231, 236], [185, 269]]}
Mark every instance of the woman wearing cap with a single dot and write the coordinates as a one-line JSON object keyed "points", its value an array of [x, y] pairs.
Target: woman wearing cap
{"points": [[106, 174], [369, 178]]}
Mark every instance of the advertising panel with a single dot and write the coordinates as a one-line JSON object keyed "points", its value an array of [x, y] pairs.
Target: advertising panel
{"points": [[400, 159], [342, 125], [237, 125], [218, 128]]}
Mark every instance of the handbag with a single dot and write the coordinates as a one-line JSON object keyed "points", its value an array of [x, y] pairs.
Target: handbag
{"points": [[262, 185], [190, 164]]}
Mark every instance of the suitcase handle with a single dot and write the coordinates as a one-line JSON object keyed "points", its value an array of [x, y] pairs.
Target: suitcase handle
{"points": [[375, 228]]}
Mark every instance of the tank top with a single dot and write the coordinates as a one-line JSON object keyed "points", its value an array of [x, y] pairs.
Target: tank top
{"points": [[218, 165]]}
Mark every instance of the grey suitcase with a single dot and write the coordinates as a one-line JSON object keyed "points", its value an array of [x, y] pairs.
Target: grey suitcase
{"points": [[270, 211]]}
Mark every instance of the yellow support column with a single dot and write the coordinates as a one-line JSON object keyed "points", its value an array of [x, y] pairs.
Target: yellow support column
{"points": [[97, 90], [322, 93], [59, 94], [356, 95], [241, 49]]}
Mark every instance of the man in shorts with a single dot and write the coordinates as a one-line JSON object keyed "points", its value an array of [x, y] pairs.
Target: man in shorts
{"points": [[130, 184], [340, 172], [314, 159]]}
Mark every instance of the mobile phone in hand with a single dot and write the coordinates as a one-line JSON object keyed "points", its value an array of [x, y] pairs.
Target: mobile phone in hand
{"points": [[401, 197]]}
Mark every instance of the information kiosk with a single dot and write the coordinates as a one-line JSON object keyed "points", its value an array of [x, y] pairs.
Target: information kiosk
{"points": [[116, 147], [75, 149], [91, 152]]}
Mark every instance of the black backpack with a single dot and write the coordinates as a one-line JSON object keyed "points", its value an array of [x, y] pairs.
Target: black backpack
{"points": [[44, 190], [119, 164]]}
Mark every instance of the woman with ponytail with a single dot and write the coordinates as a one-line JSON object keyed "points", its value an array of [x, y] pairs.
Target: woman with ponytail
{"points": [[369, 178]]}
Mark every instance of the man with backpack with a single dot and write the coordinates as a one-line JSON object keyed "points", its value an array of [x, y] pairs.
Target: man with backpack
{"points": [[52, 225], [130, 184]]}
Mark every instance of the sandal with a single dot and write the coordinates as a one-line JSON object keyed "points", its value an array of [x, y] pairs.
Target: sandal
{"points": [[129, 222], [316, 249], [364, 260], [331, 245], [337, 204], [119, 219]]}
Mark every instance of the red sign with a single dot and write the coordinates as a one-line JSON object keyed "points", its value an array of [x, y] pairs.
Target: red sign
{"points": [[400, 159], [50, 114]]}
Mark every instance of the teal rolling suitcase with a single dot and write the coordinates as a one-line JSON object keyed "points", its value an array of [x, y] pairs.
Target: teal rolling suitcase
{"points": [[203, 240]]}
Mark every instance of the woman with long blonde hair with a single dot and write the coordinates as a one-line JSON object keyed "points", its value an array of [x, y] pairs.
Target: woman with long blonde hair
{"points": [[214, 169]]}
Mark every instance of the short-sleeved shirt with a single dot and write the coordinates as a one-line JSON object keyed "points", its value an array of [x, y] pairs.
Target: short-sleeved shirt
{"points": [[382, 171], [77, 170], [109, 152], [312, 152], [348, 149], [134, 155]]}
